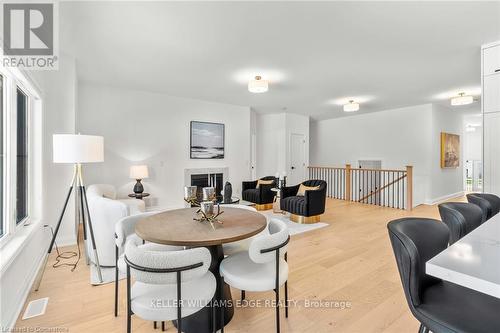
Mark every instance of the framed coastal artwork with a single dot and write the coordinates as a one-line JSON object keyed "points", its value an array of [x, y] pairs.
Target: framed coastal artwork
{"points": [[450, 150], [207, 140]]}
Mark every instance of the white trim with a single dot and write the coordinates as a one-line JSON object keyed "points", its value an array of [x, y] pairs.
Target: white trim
{"points": [[15, 79], [26, 287], [438, 200], [17, 242], [493, 44]]}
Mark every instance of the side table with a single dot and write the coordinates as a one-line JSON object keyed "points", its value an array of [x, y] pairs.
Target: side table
{"points": [[139, 195]]}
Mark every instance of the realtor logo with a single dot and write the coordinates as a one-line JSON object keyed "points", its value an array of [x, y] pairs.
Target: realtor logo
{"points": [[29, 35]]}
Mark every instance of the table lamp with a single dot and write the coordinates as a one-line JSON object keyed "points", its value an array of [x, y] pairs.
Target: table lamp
{"points": [[139, 172], [77, 149]]}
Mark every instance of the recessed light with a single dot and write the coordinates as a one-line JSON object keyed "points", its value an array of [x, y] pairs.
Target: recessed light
{"points": [[462, 99], [258, 85], [351, 106]]}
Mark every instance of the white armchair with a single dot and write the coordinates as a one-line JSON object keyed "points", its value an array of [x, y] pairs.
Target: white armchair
{"points": [[105, 211]]}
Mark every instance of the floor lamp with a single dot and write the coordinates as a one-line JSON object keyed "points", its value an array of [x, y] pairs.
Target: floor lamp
{"points": [[76, 149]]}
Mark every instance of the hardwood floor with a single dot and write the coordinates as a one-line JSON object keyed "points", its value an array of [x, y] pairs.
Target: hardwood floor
{"points": [[351, 260]]}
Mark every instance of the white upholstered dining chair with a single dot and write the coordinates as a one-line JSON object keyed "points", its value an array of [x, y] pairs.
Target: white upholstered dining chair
{"points": [[263, 267], [169, 285], [125, 231]]}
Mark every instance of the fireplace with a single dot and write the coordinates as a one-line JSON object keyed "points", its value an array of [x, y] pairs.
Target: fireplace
{"points": [[203, 177], [207, 180]]}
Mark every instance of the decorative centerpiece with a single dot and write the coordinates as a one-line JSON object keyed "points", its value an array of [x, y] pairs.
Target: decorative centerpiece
{"points": [[190, 196], [206, 212]]}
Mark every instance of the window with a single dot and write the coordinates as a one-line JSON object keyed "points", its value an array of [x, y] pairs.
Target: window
{"points": [[2, 159], [21, 156]]}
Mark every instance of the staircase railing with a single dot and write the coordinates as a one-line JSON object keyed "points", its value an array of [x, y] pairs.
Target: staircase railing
{"points": [[387, 188]]}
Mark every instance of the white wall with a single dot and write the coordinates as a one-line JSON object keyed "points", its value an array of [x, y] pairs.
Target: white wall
{"points": [[398, 137], [273, 141], [445, 182], [58, 112], [154, 129], [271, 144]]}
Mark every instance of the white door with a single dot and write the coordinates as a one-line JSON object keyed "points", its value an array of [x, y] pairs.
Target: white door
{"points": [[253, 158], [297, 172]]}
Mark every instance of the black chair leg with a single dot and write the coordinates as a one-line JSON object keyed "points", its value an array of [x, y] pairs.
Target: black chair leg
{"points": [[163, 326], [222, 308], [423, 329], [277, 291], [154, 325], [116, 281], [129, 305], [242, 295], [286, 299]]}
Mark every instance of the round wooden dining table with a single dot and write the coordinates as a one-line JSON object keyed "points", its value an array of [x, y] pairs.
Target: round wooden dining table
{"points": [[178, 227]]}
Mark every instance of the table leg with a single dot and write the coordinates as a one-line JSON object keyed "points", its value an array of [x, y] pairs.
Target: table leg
{"points": [[201, 321]]}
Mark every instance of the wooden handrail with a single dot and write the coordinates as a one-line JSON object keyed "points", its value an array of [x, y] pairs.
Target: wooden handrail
{"points": [[379, 170], [353, 169], [382, 188], [319, 167]]}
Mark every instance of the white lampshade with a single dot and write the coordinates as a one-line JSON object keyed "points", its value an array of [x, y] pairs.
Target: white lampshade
{"points": [[76, 148], [258, 85], [351, 106], [462, 99], [139, 172]]}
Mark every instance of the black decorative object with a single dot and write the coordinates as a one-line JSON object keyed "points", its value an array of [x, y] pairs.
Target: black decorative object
{"points": [[138, 188], [207, 140], [228, 192]]}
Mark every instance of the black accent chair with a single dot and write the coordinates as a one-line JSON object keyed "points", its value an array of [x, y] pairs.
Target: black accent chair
{"points": [[461, 218], [439, 306], [307, 208], [489, 203], [262, 197]]}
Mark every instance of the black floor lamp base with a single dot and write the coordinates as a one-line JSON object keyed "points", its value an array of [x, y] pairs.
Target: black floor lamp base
{"points": [[76, 185]]}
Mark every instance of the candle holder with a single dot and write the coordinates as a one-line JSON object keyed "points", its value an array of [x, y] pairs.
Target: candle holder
{"points": [[207, 213], [190, 196]]}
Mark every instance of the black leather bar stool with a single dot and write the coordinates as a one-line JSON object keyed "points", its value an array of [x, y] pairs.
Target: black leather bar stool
{"points": [[489, 203], [461, 218], [439, 306]]}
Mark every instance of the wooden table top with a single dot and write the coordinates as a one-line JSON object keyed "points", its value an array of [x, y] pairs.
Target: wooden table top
{"points": [[177, 227]]}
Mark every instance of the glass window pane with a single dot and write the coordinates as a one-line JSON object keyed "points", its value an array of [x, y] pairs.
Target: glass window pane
{"points": [[2, 159], [22, 157]]}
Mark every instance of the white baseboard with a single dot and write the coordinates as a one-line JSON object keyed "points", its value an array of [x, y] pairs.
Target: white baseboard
{"points": [[27, 286], [444, 198]]}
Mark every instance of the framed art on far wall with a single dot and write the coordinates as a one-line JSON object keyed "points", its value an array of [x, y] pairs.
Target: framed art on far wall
{"points": [[450, 150], [207, 140]]}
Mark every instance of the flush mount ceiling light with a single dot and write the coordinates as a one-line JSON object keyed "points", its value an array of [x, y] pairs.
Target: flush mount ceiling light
{"points": [[258, 85], [351, 106], [462, 99], [470, 128]]}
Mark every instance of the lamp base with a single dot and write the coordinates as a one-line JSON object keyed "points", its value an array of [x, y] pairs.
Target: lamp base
{"points": [[138, 188]]}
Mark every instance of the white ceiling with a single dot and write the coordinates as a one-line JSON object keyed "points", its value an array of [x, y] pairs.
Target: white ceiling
{"points": [[391, 54]]}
